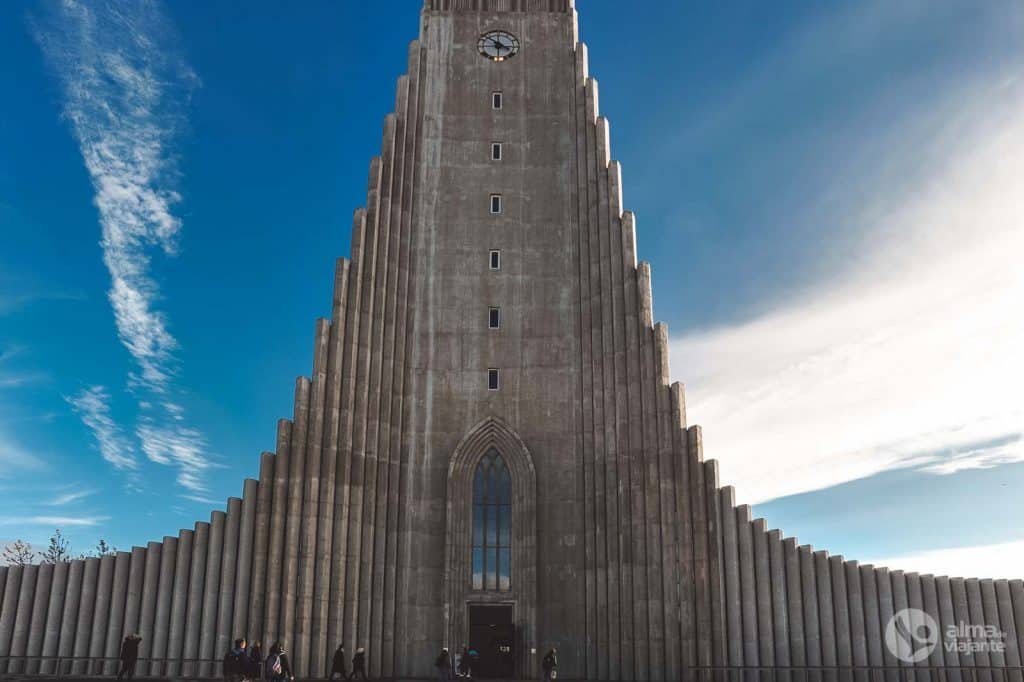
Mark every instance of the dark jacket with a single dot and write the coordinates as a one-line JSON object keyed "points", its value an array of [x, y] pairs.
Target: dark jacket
{"points": [[359, 661], [550, 661], [130, 648], [339, 663], [444, 661]]}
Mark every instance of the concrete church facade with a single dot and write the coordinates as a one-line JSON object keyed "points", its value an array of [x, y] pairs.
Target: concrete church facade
{"points": [[489, 449]]}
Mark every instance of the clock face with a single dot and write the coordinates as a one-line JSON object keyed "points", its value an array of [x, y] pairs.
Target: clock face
{"points": [[498, 45]]}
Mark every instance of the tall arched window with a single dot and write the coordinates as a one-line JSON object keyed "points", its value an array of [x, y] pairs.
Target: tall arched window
{"points": [[492, 524]]}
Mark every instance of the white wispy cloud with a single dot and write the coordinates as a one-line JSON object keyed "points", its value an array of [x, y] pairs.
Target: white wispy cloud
{"points": [[66, 498], [1002, 560], [53, 521], [124, 84], [911, 357], [93, 406]]}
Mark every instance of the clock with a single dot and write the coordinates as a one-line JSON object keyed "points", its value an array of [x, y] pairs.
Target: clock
{"points": [[498, 45]]}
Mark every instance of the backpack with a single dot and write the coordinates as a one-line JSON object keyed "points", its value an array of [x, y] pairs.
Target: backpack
{"points": [[274, 669], [232, 663]]}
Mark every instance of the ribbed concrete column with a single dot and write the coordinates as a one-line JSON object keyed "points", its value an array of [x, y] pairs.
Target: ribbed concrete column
{"points": [[944, 595], [9, 611], [133, 600], [147, 612], [961, 614], [179, 603], [54, 611], [115, 622], [261, 540], [779, 600], [841, 611], [883, 584], [211, 594], [795, 605], [748, 586], [40, 607], [23, 616], [243, 583], [929, 597], [700, 545], [915, 600], [293, 524], [990, 607], [196, 593], [762, 575], [101, 614], [812, 630], [858, 628], [715, 577], [162, 619], [228, 569], [733, 595], [976, 610], [1017, 595], [872, 623], [69, 619], [87, 603], [275, 546], [1007, 623], [900, 601], [826, 612]]}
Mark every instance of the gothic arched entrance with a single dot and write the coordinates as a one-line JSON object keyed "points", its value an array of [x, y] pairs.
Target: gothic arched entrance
{"points": [[491, 549]]}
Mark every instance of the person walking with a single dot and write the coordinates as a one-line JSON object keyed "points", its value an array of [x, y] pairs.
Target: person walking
{"points": [[129, 656], [550, 665], [236, 663], [339, 665], [443, 663], [359, 664], [277, 667], [256, 660]]}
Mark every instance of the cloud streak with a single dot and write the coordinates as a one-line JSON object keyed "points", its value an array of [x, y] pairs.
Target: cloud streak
{"points": [[124, 85], [908, 359]]}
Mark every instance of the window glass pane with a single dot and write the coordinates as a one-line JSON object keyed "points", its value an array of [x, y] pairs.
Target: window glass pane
{"points": [[495, 318], [478, 484], [504, 525], [504, 570], [491, 569], [492, 379], [504, 486], [478, 569], [478, 525], [492, 526], [495, 260]]}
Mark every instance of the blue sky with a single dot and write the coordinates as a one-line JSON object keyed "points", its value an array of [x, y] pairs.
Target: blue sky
{"points": [[828, 194]]}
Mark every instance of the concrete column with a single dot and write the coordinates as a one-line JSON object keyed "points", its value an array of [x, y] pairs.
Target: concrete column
{"points": [[733, 595], [841, 612], [886, 610], [794, 605], [54, 611], [86, 606], [228, 573], [196, 593], [101, 614], [179, 603], [900, 601], [261, 541], [23, 615], [293, 525], [779, 600], [929, 597], [915, 600], [116, 628], [763, 578], [147, 612], [275, 547], [162, 620], [687, 578], [947, 618], [1004, 603], [961, 614], [715, 571], [310, 509], [990, 609], [700, 545], [9, 610], [243, 583], [40, 609], [748, 586], [809, 588], [211, 594], [872, 624], [826, 612], [133, 599], [858, 628], [976, 609], [641, 509], [69, 619], [1017, 596]]}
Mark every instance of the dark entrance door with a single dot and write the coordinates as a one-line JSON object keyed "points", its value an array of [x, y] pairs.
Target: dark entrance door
{"points": [[492, 634]]}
